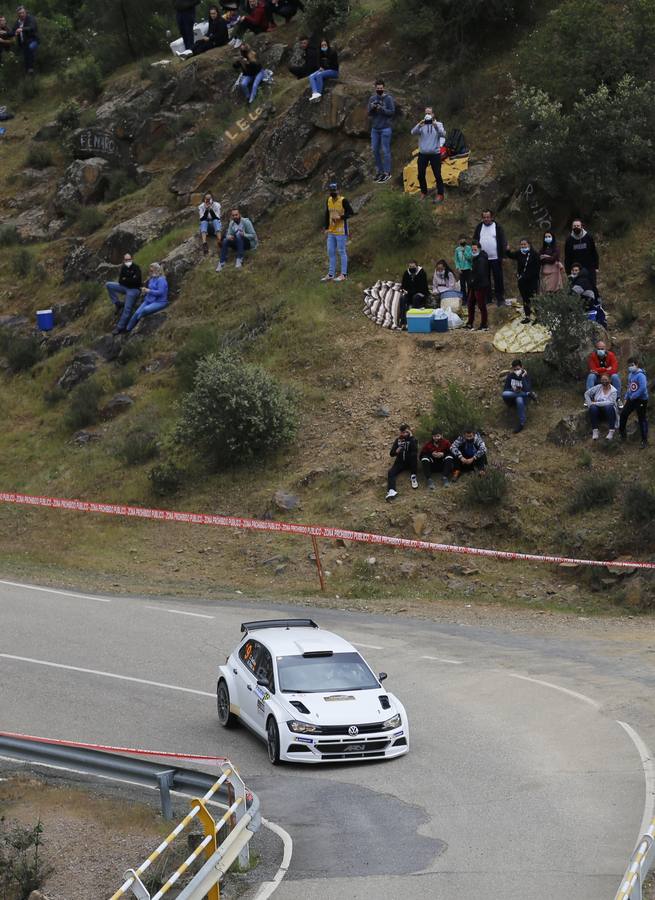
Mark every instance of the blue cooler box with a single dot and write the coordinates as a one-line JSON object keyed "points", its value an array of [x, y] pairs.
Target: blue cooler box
{"points": [[419, 321], [45, 319], [440, 324]]}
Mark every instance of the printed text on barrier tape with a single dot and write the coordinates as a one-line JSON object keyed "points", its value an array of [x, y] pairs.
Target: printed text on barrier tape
{"points": [[110, 749], [363, 537]]}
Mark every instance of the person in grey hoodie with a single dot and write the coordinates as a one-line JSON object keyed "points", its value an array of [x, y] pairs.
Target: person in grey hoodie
{"points": [[381, 110], [602, 400], [431, 138]]}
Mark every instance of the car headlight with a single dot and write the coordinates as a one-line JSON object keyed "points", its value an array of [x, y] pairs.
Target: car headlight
{"points": [[302, 727], [393, 722]]}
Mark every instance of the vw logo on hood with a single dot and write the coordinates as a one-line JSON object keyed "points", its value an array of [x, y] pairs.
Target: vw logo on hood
{"points": [[353, 730]]}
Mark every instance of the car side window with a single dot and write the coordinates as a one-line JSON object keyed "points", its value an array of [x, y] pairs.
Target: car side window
{"points": [[265, 668], [249, 654]]}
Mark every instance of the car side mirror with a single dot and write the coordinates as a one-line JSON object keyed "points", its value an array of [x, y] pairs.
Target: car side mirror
{"points": [[263, 682], [382, 676]]}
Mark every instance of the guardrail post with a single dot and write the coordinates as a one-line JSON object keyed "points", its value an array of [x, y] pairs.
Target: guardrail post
{"points": [[165, 782], [239, 788], [209, 826], [137, 887]]}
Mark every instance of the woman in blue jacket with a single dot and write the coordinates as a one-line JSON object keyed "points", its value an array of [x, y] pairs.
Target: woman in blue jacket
{"points": [[156, 295]]}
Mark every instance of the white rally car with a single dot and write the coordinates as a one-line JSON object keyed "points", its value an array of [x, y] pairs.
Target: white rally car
{"points": [[309, 695]]}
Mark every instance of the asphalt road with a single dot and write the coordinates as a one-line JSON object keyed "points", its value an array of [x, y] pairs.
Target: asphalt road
{"points": [[519, 783]]}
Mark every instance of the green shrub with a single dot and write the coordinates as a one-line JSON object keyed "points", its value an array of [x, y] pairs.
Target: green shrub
{"points": [[123, 378], [453, 411], [407, 218], [53, 396], [83, 78], [21, 351], [487, 489], [639, 505], [38, 157], [138, 445], [8, 235], [326, 16], [200, 342], [119, 184], [84, 406], [88, 292], [585, 459], [165, 478], [68, 117], [22, 263], [626, 313], [28, 89], [22, 869], [596, 489], [650, 265], [542, 373], [235, 411], [563, 315], [89, 219]]}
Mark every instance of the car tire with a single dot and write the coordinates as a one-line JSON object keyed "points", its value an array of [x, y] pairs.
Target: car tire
{"points": [[273, 741], [225, 717]]}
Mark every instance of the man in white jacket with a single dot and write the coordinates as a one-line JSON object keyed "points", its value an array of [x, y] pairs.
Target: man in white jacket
{"points": [[209, 213], [431, 138]]}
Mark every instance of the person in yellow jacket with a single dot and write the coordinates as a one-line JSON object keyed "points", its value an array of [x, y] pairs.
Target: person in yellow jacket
{"points": [[337, 212]]}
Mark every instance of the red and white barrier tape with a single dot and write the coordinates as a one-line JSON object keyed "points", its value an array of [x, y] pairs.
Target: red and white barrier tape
{"points": [[109, 749], [322, 531]]}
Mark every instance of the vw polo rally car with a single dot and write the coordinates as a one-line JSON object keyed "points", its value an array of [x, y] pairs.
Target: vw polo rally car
{"points": [[310, 695]]}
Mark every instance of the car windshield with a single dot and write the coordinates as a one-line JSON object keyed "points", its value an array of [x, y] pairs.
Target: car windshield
{"points": [[323, 674]]}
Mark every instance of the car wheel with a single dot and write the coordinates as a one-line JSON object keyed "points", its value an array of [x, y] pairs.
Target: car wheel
{"points": [[225, 717], [273, 741]]}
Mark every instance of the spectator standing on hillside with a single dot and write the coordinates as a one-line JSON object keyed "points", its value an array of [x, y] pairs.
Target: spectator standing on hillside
{"points": [[431, 137], [517, 390], [528, 269], [602, 402], [328, 67], [27, 37], [217, 33], [285, 8], [403, 451], [444, 283], [240, 237], [480, 286], [6, 36], [414, 291], [209, 213], [464, 264], [128, 286], [252, 72], [552, 278], [308, 61], [635, 400], [580, 248], [470, 453], [436, 457], [155, 295], [185, 13], [381, 110], [491, 237], [602, 361], [337, 212]]}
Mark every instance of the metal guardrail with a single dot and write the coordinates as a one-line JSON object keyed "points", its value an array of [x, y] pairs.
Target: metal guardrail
{"points": [[241, 818], [640, 865]]}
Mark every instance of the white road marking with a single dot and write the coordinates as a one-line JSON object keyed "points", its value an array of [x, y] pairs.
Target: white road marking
{"points": [[180, 612], [33, 587], [269, 887], [368, 646], [557, 687], [452, 662], [54, 665], [648, 763]]}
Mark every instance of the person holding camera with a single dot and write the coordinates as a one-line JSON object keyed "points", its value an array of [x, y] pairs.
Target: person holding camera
{"points": [[404, 453], [209, 212], [431, 138], [381, 110]]}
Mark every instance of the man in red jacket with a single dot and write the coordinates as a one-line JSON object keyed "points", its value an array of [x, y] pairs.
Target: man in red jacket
{"points": [[435, 456], [603, 362]]}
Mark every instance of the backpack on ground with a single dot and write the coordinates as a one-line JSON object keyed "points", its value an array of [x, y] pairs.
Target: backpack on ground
{"points": [[455, 142]]}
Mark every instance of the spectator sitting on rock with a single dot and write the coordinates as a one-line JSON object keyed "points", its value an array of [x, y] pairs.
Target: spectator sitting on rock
{"points": [[528, 269], [209, 212], [431, 138], [581, 284], [517, 390], [470, 453], [240, 237], [27, 37], [328, 67], [602, 402], [580, 248], [444, 283], [217, 34], [491, 237], [252, 72], [602, 361], [256, 20], [309, 58], [6, 37], [403, 451], [381, 110], [463, 264], [155, 295], [480, 287], [414, 287], [635, 400], [551, 267], [436, 457], [285, 8], [129, 286], [337, 212], [185, 13]]}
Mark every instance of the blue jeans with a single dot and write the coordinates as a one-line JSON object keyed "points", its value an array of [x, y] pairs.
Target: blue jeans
{"points": [[147, 308], [316, 79], [249, 84], [598, 412], [210, 227], [238, 243], [336, 243], [131, 296], [518, 399], [185, 19], [381, 144], [593, 380]]}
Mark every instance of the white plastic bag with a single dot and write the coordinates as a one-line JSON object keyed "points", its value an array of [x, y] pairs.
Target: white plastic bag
{"points": [[454, 320]]}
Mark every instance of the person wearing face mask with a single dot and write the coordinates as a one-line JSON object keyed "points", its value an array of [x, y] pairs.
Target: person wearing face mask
{"points": [[381, 110], [155, 295], [209, 213], [479, 288], [602, 361], [337, 212], [552, 278], [635, 400], [601, 399], [463, 264], [128, 287], [431, 138], [470, 453], [328, 67], [528, 267], [414, 291], [444, 283], [580, 248], [491, 237], [517, 390]]}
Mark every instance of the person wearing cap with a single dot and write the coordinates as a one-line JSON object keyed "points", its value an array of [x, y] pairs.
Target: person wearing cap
{"points": [[431, 138], [26, 33], [517, 390], [128, 286], [436, 457], [403, 452], [337, 212]]}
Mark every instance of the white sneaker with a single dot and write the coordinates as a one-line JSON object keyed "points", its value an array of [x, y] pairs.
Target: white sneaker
{"points": [[414, 481], [236, 43], [239, 262], [341, 277], [391, 494], [610, 434], [327, 278], [594, 434], [220, 267], [186, 54], [315, 97]]}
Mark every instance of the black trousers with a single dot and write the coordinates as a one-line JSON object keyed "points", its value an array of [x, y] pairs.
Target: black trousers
{"points": [[443, 466], [641, 408], [496, 266], [400, 465], [185, 19], [476, 465], [465, 282], [410, 301], [434, 161], [527, 291]]}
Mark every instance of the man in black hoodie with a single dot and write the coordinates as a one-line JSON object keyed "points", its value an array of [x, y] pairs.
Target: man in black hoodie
{"points": [[528, 270], [404, 452], [415, 292], [185, 13], [129, 286], [580, 248]]}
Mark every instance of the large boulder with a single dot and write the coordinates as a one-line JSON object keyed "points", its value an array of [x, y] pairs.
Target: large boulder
{"points": [[36, 224], [570, 430], [129, 236], [85, 181], [81, 263], [180, 260], [81, 367]]}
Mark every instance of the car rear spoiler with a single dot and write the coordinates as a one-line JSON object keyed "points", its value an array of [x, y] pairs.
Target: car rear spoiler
{"points": [[277, 623]]}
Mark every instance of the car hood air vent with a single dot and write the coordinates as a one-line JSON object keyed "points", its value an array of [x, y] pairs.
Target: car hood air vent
{"points": [[300, 707], [384, 701]]}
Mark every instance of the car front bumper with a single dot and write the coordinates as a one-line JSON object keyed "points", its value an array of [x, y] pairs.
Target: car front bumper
{"points": [[343, 748]]}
